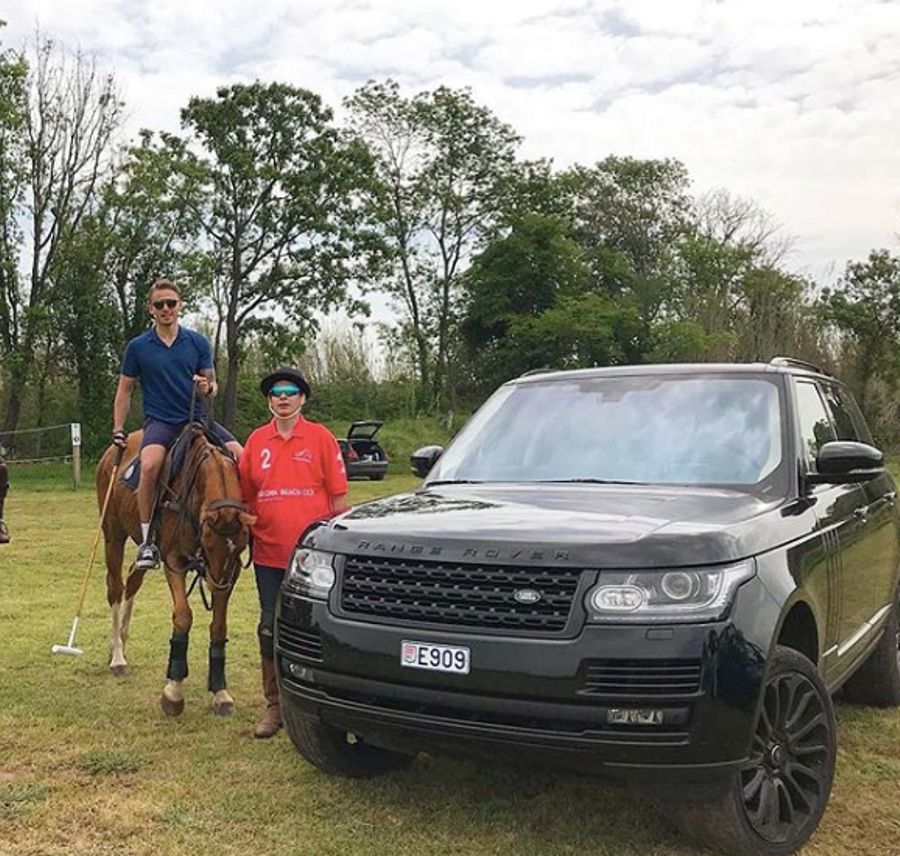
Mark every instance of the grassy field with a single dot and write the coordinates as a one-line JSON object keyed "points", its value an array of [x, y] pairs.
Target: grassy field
{"points": [[89, 765]]}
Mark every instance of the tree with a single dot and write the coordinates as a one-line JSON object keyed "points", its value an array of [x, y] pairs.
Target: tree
{"points": [[628, 216], [144, 220], [13, 72], [865, 305], [72, 113], [515, 278], [278, 205], [441, 161]]}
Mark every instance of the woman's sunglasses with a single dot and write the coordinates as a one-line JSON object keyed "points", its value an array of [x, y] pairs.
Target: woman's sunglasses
{"points": [[285, 389], [168, 302]]}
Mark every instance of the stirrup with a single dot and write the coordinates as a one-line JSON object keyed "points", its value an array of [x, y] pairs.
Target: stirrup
{"points": [[147, 558]]}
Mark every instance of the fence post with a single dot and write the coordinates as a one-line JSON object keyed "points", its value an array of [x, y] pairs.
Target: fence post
{"points": [[75, 428]]}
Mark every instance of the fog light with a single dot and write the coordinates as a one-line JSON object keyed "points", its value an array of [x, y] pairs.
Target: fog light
{"points": [[634, 716], [301, 673]]}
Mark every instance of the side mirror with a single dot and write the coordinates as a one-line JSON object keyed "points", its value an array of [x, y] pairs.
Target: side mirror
{"points": [[844, 462], [422, 460]]}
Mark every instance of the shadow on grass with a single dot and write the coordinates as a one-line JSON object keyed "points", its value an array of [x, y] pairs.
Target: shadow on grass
{"points": [[524, 808]]}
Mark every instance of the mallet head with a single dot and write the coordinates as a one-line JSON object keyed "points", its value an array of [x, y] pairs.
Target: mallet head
{"points": [[66, 649]]}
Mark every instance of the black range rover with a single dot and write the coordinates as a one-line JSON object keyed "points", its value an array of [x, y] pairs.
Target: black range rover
{"points": [[660, 573]]}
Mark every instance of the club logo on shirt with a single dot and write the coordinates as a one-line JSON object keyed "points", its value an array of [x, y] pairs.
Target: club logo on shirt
{"points": [[304, 456]]}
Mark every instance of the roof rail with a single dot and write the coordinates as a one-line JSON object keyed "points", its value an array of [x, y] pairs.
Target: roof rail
{"points": [[794, 362], [542, 370]]}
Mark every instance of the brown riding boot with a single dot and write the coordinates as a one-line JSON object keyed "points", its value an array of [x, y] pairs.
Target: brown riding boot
{"points": [[270, 721]]}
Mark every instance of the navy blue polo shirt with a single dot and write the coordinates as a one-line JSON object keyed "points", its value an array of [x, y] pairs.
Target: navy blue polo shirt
{"points": [[166, 372]]}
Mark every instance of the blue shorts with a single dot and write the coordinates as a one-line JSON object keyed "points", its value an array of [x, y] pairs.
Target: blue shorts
{"points": [[159, 433]]}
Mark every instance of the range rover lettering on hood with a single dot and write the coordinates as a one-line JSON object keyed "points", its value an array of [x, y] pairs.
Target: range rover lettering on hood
{"points": [[464, 553]]}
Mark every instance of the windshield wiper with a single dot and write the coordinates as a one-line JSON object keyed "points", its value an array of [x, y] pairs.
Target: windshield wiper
{"points": [[589, 481], [453, 481]]}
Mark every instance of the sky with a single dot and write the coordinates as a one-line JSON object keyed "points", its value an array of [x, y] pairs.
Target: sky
{"points": [[795, 104]]}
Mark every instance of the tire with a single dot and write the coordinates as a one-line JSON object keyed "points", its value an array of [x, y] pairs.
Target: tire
{"points": [[330, 749], [877, 681], [377, 477], [773, 805]]}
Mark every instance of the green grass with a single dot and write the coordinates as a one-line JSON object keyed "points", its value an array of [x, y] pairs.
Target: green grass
{"points": [[89, 764]]}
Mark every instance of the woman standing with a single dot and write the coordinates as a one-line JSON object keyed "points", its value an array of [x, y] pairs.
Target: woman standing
{"points": [[292, 473]]}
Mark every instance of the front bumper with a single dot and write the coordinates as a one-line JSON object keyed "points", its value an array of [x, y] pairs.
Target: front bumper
{"points": [[544, 700]]}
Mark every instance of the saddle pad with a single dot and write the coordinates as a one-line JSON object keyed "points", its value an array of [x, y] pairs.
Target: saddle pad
{"points": [[131, 475]]}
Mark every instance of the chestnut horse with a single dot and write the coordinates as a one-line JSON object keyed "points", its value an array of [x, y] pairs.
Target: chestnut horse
{"points": [[202, 522], [4, 488]]}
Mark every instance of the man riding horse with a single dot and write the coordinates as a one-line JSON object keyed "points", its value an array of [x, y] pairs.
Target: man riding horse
{"points": [[201, 521], [4, 489], [168, 360]]}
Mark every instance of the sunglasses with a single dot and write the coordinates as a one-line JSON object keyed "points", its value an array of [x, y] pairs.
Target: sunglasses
{"points": [[284, 389], [168, 303]]}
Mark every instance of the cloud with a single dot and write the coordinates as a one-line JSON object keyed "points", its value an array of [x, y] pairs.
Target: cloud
{"points": [[792, 103]]}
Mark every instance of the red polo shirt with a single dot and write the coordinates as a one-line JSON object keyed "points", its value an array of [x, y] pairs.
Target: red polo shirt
{"points": [[288, 483]]}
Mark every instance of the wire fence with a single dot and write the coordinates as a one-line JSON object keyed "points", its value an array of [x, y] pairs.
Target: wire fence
{"points": [[36, 445]]}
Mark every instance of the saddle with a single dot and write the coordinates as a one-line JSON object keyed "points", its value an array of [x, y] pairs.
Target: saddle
{"points": [[176, 455]]}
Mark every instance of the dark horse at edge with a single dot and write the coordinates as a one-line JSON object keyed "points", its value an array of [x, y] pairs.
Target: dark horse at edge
{"points": [[202, 522], [4, 489]]}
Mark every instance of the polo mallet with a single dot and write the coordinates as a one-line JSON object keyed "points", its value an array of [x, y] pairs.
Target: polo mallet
{"points": [[69, 648]]}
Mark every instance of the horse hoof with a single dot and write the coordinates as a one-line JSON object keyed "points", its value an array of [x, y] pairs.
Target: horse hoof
{"points": [[223, 708], [119, 671], [169, 707]]}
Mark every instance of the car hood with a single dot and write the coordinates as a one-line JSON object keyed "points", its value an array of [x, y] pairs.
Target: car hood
{"points": [[588, 525]]}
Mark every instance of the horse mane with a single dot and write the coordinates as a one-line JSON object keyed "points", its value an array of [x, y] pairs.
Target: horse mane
{"points": [[208, 477]]}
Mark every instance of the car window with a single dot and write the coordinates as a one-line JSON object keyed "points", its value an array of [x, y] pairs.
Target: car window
{"points": [[815, 425], [848, 419], [843, 422], [652, 429]]}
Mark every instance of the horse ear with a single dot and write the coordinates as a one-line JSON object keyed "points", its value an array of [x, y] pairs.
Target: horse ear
{"points": [[247, 519]]}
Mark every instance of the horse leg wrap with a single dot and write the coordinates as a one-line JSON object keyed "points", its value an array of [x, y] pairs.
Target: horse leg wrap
{"points": [[265, 632], [216, 666], [178, 667]]}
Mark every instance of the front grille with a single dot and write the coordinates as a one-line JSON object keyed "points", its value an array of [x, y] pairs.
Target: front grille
{"points": [[641, 677], [301, 643], [458, 594]]}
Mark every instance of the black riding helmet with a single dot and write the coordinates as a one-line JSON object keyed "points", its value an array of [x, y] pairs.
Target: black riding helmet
{"points": [[284, 373]]}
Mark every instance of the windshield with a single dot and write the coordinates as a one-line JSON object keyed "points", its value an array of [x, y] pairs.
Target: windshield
{"points": [[653, 429]]}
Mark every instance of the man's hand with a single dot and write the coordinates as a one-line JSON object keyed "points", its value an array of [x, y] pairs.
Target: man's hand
{"points": [[205, 386], [119, 438]]}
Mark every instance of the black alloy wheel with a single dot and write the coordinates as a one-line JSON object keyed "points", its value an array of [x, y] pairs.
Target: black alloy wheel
{"points": [[774, 804], [786, 781]]}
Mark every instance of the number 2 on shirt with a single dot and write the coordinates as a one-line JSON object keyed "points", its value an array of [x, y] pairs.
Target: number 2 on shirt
{"points": [[266, 456]]}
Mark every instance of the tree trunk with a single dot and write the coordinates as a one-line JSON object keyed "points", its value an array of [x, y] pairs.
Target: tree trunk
{"points": [[18, 378], [13, 410], [229, 404]]}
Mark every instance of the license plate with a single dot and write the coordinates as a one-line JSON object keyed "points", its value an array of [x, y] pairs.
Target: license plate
{"points": [[436, 658]]}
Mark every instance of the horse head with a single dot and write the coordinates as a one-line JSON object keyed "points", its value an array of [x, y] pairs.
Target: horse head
{"points": [[224, 520]]}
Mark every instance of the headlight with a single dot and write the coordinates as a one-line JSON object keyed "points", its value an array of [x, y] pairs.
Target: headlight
{"points": [[311, 572], [682, 594]]}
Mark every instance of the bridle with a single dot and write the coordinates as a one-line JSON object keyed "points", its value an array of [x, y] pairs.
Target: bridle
{"points": [[181, 502]]}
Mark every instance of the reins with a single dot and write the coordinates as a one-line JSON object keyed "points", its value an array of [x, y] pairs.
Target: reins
{"points": [[181, 502]]}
